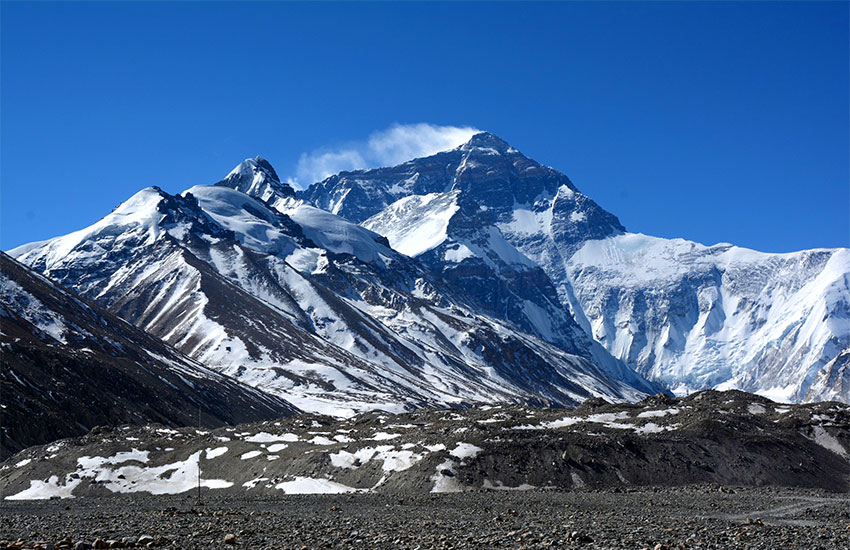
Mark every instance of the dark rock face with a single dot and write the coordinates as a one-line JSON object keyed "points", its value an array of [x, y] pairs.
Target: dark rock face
{"points": [[69, 366], [728, 438]]}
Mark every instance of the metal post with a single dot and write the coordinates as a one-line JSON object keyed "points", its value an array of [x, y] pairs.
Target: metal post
{"points": [[200, 453]]}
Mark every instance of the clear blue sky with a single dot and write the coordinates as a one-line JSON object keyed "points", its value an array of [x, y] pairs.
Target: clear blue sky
{"points": [[721, 122]]}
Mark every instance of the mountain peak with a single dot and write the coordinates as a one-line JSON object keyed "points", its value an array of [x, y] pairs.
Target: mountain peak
{"points": [[256, 177], [486, 139]]}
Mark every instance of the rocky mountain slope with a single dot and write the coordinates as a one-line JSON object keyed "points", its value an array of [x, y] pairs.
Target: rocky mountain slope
{"points": [[525, 241], [69, 366], [730, 438], [309, 306]]}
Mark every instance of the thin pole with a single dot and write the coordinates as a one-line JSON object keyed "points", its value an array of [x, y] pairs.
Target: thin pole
{"points": [[199, 455]]}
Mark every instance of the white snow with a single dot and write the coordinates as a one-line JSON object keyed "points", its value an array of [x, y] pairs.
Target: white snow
{"points": [[265, 437], [250, 484], [312, 486], [253, 222], [693, 316], [444, 483], [30, 308], [653, 428], [338, 235], [500, 486], [458, 253], [384, 436], [182, 476], [465, 450], [425, 222], [43, 490], [657, 414], [393, 460], [251, 454], [755, 408], [213, 453], [828, 441]]}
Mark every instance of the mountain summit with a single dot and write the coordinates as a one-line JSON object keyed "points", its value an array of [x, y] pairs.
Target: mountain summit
{"points": [[486, 139], [256, 177]]}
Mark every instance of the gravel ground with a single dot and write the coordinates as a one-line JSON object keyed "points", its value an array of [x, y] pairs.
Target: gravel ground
{"points": [[690, 517]]}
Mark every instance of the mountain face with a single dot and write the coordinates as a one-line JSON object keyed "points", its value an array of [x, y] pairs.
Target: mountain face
{"points": [[314, 308], [69, 366], [538, 253], [449, 210]]}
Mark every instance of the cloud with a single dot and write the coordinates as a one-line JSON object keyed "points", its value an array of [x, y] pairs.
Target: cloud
{"points": [[394, 145]]}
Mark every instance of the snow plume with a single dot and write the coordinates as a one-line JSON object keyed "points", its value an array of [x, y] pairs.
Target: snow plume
{"points": [[394, 145]]}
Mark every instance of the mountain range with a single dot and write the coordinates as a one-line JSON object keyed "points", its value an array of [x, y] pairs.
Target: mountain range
{"points": [[475, 275]]}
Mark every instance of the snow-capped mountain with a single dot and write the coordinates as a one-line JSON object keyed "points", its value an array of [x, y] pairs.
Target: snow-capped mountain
{"points": [[311, 307], [525, 241], [69, 366]]}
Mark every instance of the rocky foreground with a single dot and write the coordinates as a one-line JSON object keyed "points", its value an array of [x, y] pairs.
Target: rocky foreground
{"points": [[711, 470], [653, 518]]}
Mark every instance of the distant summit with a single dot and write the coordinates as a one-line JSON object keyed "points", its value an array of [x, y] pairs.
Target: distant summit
{"points": [[256, 177], [486, 139]]}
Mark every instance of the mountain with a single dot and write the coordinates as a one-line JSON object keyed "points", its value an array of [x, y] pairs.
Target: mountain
{"points": [[69, 366], [313, 308], [726, 438], [526, 242], [444, 210]]}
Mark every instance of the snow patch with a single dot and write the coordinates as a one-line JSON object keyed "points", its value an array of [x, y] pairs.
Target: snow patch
{"points": [[313, 486]]}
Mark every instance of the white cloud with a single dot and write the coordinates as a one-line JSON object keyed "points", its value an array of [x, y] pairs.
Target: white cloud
{"points": [[396, 144]]}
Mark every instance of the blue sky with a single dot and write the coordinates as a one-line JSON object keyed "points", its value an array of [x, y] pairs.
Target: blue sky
{"points": [[722, 122]]}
